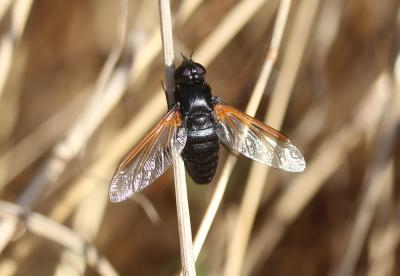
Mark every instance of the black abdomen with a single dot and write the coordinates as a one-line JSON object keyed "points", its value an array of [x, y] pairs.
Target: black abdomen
{"points": [[202, 149]]}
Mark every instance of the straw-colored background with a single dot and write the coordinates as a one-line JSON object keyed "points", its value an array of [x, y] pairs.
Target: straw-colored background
{"points": [[79, 86]]}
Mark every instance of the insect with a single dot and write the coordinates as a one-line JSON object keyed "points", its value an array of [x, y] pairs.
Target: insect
{"points": [[194, 127]]}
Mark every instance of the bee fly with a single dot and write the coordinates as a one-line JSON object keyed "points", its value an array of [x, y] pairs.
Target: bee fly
{"points": [[194, 127]]}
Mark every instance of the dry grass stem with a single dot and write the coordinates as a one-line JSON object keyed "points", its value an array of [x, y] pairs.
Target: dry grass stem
{"points": [[182, 204], [148, 208], [214, 204], [385, 236], [86, 221], [60, 234], [184, 227], [4, 5], [278, 105], [229, 26], [19, 15], [113, 57], [186, 9], [270, 59], [168, 50]]}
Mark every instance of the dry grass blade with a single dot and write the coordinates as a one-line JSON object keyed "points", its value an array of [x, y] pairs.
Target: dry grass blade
{"points": [[86, 221], [112, 58], [386, 235], [4, 5], [182, 204], [214, 204], [148, 208], [58, 233], [384, 253], [168, 49], [12, 35], [272, 54], [224, 32], [250, 109], [278, 105], [19, 15], [186, 9]]}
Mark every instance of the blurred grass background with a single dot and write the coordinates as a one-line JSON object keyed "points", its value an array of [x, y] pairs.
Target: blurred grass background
{"points": [[55, 62]]}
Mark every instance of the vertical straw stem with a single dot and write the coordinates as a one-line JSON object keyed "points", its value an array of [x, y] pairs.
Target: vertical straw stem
{"points": [[254, 187], [182, 205], [168, 50]]}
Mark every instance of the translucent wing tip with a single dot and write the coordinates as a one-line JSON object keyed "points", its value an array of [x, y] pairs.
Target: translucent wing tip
{"points": [[291, 159], [120, 188], [296, 166], [114, 197]]}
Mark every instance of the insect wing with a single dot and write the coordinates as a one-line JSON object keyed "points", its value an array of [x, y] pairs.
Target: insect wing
{"points": [[150, 158], [256, 140]]}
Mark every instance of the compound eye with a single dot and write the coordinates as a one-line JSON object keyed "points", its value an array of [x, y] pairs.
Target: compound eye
{"points": [[199, 69], [187, 72]]}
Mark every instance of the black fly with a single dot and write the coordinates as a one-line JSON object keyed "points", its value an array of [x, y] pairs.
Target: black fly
{"points": [[194, 127]]}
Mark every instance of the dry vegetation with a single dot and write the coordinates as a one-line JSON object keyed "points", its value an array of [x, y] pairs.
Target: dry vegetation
{"points": [[79, 85]]}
